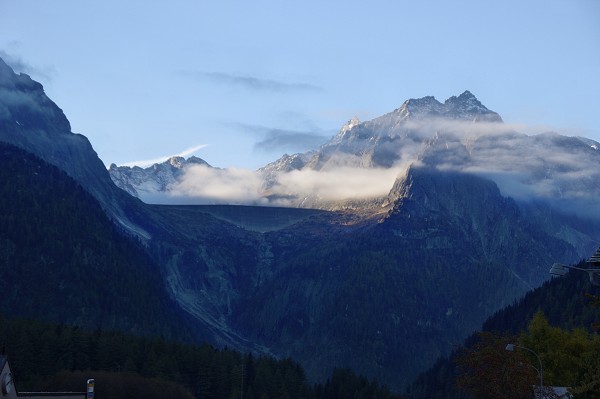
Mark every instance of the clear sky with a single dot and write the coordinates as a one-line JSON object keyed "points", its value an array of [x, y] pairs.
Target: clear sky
{"points": [[242, 82]]}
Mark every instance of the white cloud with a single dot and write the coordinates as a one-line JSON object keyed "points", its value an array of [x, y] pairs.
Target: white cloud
{"points": [[206, 185], [337, 184], [201, 184]]}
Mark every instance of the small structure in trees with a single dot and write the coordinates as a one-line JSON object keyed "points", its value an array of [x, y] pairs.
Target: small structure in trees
{"points": [[593, 270], [9, 391]]}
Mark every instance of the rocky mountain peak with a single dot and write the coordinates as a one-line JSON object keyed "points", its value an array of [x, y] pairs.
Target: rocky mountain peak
{"points": [[467, 106], [31, 121], [176, 162], [415, 107], [4, 68], [24, 103], [354, 121], [467, 96], [422, 104], [146, 182], [179, 162], [347, 127], [194, 160], [466, 101]]}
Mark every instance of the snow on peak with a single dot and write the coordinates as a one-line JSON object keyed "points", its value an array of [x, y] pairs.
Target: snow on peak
{"points": [[144, 182], [353, 121], [177, 162], [348, 126]]}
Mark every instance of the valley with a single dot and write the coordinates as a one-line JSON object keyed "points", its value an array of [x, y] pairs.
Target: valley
{"points": [[383, 284]]}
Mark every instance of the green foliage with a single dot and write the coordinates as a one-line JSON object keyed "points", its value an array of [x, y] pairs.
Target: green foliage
{"points": [[569, 358]]}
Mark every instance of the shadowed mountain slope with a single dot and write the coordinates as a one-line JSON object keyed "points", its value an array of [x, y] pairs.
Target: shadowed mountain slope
{"points": [[63, 260], [424, 263]]}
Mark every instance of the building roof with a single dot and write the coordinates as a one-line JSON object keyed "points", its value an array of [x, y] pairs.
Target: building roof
{"points": [[557, 392], [595, 258]]}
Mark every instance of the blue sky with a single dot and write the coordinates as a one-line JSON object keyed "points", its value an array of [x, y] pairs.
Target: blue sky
{"points": [[239, 83]]}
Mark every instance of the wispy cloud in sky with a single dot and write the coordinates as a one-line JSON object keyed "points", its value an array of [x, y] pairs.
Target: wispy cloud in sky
{"points": [[149, 162], [252, 82], [273, 139], [290, 140]]}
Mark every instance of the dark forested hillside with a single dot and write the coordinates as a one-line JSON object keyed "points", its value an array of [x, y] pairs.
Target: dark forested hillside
{"points": [[63, 260], [562, 300], [57, 357]]}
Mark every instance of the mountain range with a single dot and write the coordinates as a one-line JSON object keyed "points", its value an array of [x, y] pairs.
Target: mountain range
{"points": [[464, 216], [144, 182], [358, 166]]}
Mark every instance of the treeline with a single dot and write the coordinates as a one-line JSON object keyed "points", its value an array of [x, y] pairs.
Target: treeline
{"points": [[57, 357], [566, 306]]}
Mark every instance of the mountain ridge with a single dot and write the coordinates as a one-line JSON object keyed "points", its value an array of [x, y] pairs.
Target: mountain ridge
{"points": [[30, 120], [460, 134], [423, 261], [139, 181]]}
